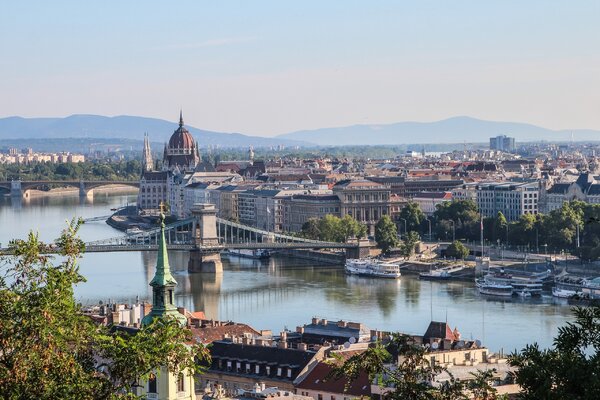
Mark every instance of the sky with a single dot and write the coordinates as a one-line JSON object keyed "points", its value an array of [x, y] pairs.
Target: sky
{"points": [[271, 67]]}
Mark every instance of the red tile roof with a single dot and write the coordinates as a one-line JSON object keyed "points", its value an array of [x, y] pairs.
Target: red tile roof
{"points": [[318, 380]]}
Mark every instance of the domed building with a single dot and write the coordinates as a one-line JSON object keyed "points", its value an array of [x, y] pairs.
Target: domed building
{"points": [[181, 152]]}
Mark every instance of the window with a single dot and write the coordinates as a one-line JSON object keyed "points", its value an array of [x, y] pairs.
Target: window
{"points": [[257, 369], [278, 371], [152, 384], [180, 383], [319, 397]]}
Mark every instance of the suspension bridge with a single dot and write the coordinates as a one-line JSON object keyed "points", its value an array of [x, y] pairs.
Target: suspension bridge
{"points": [[205, 235]]}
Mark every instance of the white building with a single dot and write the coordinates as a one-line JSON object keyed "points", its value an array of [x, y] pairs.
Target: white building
{"points": [[513, 199]]}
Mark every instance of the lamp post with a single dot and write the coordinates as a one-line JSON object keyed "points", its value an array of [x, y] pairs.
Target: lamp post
{"points": [[429, 222]]}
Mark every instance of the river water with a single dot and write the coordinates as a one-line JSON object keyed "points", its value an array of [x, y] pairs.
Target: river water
{"points": [[285, 292]]}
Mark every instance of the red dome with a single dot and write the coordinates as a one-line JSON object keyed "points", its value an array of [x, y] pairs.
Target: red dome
{"points": [[181, 138]]}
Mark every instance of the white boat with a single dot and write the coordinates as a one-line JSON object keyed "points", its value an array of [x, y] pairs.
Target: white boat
{"points": [[564, 293], [257, 254], [373, 268], [440, 274], [494, 288]]}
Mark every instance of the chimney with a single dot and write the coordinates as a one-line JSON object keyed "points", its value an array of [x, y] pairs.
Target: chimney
{"points": [[316, 321], [341, 323], [283, 345], [302, 346], [324, 322], [300, 329], [284, 336]]}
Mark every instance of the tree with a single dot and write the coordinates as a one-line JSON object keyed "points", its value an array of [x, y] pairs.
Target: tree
{"points": [[568, 370], [409, 243], [50, 349], [500, 224], [310, 229], [463, 213], [386, 234], [410, 376], [457, 250], [413, 215]]}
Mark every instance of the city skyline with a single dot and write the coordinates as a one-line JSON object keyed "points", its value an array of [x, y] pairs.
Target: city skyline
{"points": [[270, 68]]}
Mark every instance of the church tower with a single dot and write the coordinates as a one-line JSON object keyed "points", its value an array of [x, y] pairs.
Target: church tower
{"points": [[147, 161], [164, 384], [163, 284]]}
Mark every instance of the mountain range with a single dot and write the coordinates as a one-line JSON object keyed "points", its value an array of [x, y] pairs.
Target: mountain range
{"points": [[123, 127], [451, 130]]}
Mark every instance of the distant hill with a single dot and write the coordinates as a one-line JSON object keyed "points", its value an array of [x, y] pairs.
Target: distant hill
{"points": [[123, 127], [452, 130]]}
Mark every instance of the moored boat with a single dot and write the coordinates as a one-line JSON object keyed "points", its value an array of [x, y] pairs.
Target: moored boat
{"points": [[373, 268]]}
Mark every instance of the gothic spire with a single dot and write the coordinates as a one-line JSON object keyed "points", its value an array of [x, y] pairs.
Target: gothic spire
{"points": [[180, 118], [162, 276]]}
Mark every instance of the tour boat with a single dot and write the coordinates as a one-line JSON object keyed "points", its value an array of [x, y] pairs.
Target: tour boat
{"points": [[373, 268], [494, 289], [499, 282], [257, 254]]}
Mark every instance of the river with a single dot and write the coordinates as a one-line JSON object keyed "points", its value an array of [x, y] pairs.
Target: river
{"points": [[285, 292]]}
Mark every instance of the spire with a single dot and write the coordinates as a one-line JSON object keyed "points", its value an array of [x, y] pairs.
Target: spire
{"points": [[163, 284], [162, 276], [180, 118]]}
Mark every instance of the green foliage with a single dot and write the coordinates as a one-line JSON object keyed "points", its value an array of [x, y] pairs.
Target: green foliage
{"points": [[386, 234], [89, 170], [568, 370], [413, 215], [409, 243], [50, 349], [333, 229], [410, 376], [457, 250], [465, 215]]}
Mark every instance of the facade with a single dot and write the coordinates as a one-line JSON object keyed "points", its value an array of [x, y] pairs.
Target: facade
{"points": [[298, 209], [513, 199], [364, 200], [409, 188], [586, 188], [428, 201], [242, 365], [153, 191], [502, 143]]}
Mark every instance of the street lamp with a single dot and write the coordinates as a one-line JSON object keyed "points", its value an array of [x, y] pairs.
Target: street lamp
{"points": [[405, 230], [429, 222]]}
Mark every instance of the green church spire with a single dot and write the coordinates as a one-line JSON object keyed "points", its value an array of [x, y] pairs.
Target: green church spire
{"points": [[163, 284]]}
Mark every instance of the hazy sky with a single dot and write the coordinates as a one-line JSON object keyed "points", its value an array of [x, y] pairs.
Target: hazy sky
{"points": [[270, 67]]}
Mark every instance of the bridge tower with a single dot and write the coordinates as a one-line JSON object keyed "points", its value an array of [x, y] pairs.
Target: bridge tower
{"points": [[205, 234], [361, 250], [15, 188]]}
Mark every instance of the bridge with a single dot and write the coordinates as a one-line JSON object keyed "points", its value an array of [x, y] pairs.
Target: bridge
{"points": [[18, 188], [205, 236]]}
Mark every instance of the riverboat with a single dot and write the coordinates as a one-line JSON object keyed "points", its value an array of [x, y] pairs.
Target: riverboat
{"points": [[498, 282], [568, 286], [373, 268], [494, 289], [440, 274]]}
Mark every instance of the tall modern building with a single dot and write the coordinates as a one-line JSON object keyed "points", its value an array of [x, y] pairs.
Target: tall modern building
{"points": [[502, 143]]}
